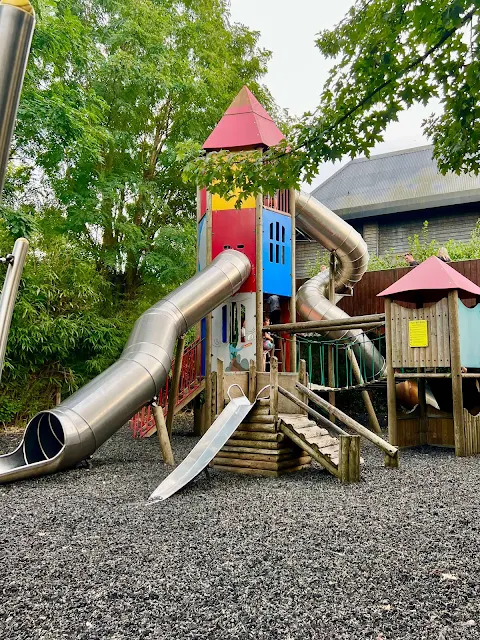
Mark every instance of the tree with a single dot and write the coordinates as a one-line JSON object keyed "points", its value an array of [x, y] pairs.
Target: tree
{"points": [[112, 88], [388, 55]]}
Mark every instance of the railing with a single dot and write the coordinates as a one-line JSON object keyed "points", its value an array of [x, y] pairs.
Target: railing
{"points": [[280, 201], [190, 380]]}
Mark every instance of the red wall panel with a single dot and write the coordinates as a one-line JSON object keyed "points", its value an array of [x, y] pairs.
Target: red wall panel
{"points": [[235, 229]]}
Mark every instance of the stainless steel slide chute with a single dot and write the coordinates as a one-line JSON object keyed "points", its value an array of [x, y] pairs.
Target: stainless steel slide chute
{"points": [[333, 233], [61, 437], [206, 449]]}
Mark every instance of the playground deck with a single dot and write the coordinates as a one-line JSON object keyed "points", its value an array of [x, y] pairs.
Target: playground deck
{"points": [[394, 557]]}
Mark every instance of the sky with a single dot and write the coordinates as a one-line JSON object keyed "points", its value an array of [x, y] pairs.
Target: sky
{"points": [[297, 70]]}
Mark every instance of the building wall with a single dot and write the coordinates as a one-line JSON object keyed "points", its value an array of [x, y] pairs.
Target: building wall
{"points": [[395, 230], [391, 232]]}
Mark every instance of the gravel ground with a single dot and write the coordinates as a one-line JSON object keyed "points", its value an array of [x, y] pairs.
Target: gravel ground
{"points": [[236, 557]]}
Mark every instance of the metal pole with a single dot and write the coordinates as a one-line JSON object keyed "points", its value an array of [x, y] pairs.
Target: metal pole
{"points": [[331, 369], [9, 294], [16, 30]]}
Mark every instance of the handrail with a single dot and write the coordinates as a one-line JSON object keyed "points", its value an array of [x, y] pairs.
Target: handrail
{"points": [[9, 293], [318, 416], [386, 447]]}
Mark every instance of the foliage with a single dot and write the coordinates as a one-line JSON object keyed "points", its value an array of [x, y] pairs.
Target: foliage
{"points": [[112, 89], [387, 55]]}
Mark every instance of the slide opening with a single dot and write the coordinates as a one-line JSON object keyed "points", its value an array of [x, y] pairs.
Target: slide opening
{"points": [[44, 438]]}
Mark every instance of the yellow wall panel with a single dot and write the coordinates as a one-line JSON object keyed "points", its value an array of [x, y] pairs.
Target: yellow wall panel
{"points": [[220, 204]]}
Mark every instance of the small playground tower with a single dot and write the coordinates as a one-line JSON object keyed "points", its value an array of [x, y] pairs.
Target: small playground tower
{"points": [[432, 336]]}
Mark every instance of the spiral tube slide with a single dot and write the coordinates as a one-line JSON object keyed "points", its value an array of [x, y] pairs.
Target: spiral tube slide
{"points": [[333, 233], [60, 438]]}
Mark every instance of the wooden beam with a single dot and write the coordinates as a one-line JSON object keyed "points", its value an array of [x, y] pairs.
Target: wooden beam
{"points": [[377, 318], [162, 433], [274, 386], [331, 366], [426, 374], [293, 299], [259, 282], [391, 391], [173, 391], [372, 416], [208, 328], [252, 381], [456, 367], [220, 386], [350, 422]]}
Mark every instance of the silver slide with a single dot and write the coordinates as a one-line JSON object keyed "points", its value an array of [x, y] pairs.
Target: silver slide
{"points": [[59, 438], [333, 233], [204, 451]]}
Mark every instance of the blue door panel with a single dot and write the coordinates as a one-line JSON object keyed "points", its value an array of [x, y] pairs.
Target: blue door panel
{"points": [[277, 253]]}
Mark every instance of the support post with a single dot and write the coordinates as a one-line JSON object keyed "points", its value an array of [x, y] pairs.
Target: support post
{"points": [[422, 402], [208, 328], [456, 367], [220, 385], [198, 416], [343, 461], [372, 416], [331, 370], [303, 378], [274, 386], [162, 433], [9, 291], [293, 306], [252, 381], [173, 394], [354, 459], [259, 282], [213, 406], [391, 393]]}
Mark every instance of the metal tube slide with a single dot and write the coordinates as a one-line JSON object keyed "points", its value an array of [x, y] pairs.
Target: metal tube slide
{"points": [[61, 437], [9, 293], [334, 234], [17, 22]]}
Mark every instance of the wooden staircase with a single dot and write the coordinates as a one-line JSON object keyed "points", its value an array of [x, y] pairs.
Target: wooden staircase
{"points": [[259, 448]]}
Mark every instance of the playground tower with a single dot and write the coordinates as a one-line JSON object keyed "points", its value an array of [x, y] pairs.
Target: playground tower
{"points": [[262, 229]]}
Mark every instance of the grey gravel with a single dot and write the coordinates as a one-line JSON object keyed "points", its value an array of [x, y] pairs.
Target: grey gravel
{"points": [[394, 557]]}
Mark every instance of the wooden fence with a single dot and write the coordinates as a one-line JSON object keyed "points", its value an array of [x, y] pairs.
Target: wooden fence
{"points": [[364, 301]]}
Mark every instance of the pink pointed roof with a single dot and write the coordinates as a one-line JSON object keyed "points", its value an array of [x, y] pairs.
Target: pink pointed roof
{"points": [[245, 125], [431, 275]]}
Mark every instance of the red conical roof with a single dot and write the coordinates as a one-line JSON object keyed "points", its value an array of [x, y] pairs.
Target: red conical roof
{"points": [[431, 275], [245, 125]]}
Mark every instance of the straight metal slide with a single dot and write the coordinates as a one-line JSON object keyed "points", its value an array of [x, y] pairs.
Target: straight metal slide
{"points": [[204, 451]]}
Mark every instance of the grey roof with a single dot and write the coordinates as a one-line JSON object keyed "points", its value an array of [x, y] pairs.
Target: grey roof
{"points": [[405, 180]]}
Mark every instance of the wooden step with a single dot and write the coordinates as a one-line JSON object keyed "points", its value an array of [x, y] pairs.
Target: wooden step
{"points": [[252, 435], [258, 464], [256, 427]]}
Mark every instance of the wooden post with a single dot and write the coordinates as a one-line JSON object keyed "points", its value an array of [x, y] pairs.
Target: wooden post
{"points": [[208, 332], [220, 385], [391, 392], [331, 370], [293, 299], [252, 381], [274, 386], [173, 392], [456, 367], [422, 402], [372, 416], [162, 433], [213, 406], [354, 459], [259, 282], [303, 377], [343, 461], [58, 396], [198, 416]]}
